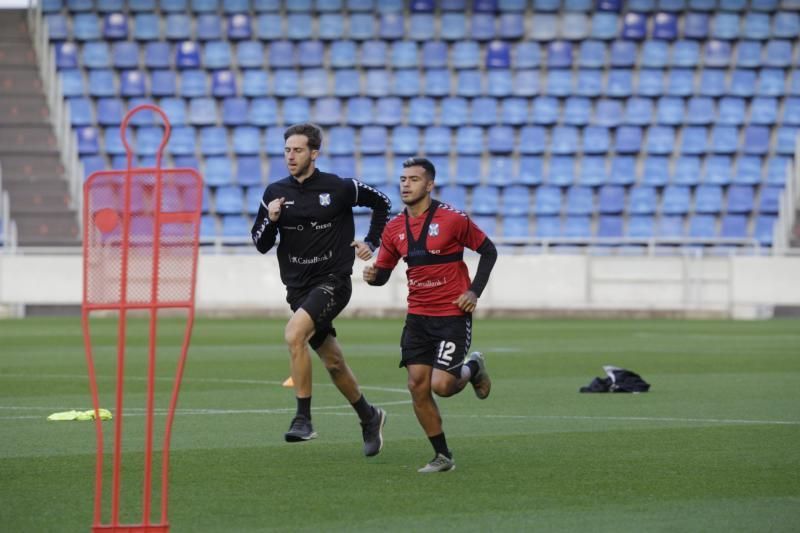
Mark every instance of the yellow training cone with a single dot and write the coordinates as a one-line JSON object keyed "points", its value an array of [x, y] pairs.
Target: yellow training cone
{"points": [[289, 382]]}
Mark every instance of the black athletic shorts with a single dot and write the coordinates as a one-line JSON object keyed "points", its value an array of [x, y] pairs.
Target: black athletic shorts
{"points": [[438, 341], [323, 301]]}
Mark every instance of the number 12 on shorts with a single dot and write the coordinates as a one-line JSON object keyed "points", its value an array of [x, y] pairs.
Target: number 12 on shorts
{"points": [[444, 355]]}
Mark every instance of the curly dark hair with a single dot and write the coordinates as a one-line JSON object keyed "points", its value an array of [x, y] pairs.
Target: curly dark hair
{"points": [[312, 132]]}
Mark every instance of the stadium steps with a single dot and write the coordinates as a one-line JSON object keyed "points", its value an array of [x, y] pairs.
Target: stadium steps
{"points": [[32, 171]]}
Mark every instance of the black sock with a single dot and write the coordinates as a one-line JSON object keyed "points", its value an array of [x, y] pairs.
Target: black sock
{"points": [[473, 367], [439, 443], [363, 408], [304, 407]]}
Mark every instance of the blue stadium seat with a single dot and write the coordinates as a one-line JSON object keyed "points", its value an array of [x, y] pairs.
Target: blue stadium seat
{"points": [[405, 140], [532, 140], [157, 55], [731, 111], [469, 141], [527, 55], [747, 170], [622, 53], [619, 83], [733, 226], [694, 140], [655, 172], [115, 26], [252, 199], [577, 110], [548, 201], [146, 27], [786, 25], [482, 27], [650, 82], [502, 171], [763, 111], [246, 140], [373, 170], [500, 139], [717, 170], [86, 27], [634, 26], [564, 140], [592, 170], [740, 199], [454, 111], [87, 141], [511, 27], [178, 27], [623, 171], [187, 55], [544, 27], [373, 140], [239, 27], [559, 83], [777, 170], [255, 83], [112, 142], [57, 27], [208, 27], [285, 82], [273, 140], [548, 227], [655, 54], [769, 200], [218, 171], [362, 26], [545, 110], [604, 26], [250, 55], [660, 140], [670, 226], [607, 112], [756, 26], [778, 54], [559, 54], [101, 83], [597, 140], [708, 199], [236, 228], [346, 83], [574, 26], [665, 26], [204, 6], [485, 200], [526, 83], [281, 55], [377, 83], [742, 83], [310, 53], [422, 27], [638, 111], [182, 141], [641, 227], [391, 26], [642, 200], [95, 54], [695, 25], [763, 228], [72, 82], [327, 111], [436, 83], [675, 200], [516, 227], [756, 140], [217, 55], [110, 111], [592, 54], [771, 82], [228, 200], [406, 83], [748, 54], [628, 140], [269, 27], [686, 171], [453, 26], [483, 111], [712, 82], [223, 84], [531, 170], [562, 171], [724, 139], [359, 111], [299, 26], [680, 82], [344, 166], [702, 226], [132, 84], [700, 110], [296, 110], [235, 6], [314, 83], [341, 140], [498, 55], [454, 195], [785, 142], [437, 140], [468, 170], [686, 53], [213, 141], [589, 83], [331, 26], [725, 25], [388, 111], [716, 53], [609, 226], [500, 83], [125, 55], [579, 201]]}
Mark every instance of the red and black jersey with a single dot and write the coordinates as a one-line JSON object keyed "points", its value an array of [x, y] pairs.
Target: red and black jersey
{"points": [[432, 245]]}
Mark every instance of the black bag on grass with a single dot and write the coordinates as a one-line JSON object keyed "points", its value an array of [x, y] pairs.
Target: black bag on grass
{"points": [[618, 380]]}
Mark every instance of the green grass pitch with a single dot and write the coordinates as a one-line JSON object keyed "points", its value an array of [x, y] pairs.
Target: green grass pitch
{"points": [[714, 446]]}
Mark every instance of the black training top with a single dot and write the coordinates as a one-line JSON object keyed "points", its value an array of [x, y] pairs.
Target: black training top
{"points": [[316, 225]]}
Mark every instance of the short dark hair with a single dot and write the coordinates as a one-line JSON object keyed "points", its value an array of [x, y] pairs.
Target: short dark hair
{"points": [[312, 132], [425, 163]]}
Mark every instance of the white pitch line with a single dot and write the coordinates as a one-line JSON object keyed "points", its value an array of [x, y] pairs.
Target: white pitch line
{"points": [[137, 411]]}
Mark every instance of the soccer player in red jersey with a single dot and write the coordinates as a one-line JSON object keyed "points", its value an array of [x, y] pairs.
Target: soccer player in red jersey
{"points": [[430, 237]]}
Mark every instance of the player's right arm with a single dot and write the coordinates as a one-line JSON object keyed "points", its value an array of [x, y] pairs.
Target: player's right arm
{"points": [[378, 273], [265, 227]]}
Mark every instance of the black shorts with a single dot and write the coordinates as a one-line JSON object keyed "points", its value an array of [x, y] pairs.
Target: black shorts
{"points": [[438, 341], [323, 301]]}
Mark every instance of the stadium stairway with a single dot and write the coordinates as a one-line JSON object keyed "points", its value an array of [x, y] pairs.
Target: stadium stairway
{"points": [[33, 174]]}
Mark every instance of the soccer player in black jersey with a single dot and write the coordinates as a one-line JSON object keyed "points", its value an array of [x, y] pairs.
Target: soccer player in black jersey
{"points": [[312, 211]]}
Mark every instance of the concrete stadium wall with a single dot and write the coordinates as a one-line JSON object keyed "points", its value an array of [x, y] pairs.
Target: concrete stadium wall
{"points": [[739, 287]]}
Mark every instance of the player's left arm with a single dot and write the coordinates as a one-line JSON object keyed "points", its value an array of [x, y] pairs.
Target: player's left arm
{"points": [[468, 301], [380, 204]]}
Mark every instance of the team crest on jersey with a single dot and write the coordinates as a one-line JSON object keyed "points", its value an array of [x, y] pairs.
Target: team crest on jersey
{"points": [[325, 199], [433, 230]]}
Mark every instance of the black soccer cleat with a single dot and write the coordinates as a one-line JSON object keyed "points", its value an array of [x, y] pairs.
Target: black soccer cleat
{"points": [[372, 432], [300, 430]]}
